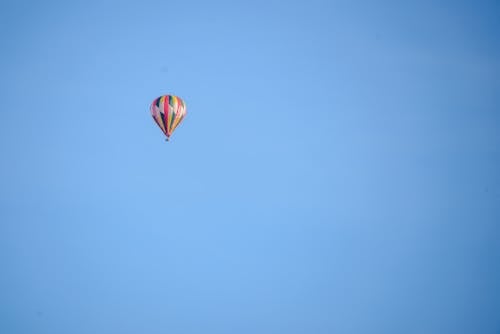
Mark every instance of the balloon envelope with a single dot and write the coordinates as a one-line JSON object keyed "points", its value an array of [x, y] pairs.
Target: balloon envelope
{"points": [[168, 111]]}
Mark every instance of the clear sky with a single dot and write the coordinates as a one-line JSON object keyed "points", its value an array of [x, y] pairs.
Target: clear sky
{"points": [[337, 171]]}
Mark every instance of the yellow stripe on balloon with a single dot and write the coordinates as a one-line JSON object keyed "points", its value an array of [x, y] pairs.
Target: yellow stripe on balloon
{"points": [[179, 116], [171, 114]]}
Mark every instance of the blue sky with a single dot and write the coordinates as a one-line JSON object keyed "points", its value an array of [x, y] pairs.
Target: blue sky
{"points": [[337, 172]]}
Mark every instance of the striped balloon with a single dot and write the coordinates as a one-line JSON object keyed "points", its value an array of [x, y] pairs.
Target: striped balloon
{"points": [[168, 111]]}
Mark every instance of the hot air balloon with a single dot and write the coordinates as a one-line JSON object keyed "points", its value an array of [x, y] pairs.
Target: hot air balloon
{"points": [[168, 111]]}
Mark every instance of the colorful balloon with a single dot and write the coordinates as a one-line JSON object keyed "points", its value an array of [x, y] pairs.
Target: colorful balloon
{"points": [[168, 111]]}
